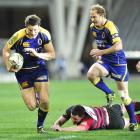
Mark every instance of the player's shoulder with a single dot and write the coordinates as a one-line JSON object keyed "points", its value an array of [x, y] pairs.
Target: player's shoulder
{"points": [[16, 36], [110, 24], [20, 33], [91, 25], [45, 32]]}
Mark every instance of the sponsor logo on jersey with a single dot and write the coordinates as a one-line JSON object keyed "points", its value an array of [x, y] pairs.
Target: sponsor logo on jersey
{"points": [[26, 44], [116, 76], [24, 84]]}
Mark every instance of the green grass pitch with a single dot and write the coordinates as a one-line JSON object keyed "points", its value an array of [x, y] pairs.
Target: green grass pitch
{"points": [[17, 123]]}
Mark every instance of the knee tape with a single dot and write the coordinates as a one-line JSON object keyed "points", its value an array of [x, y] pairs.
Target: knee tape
{"points": [[126, 101], [96, 81]]}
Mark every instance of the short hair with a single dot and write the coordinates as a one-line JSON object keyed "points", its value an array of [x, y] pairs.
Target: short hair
{"points": [[100, 9], [78, 110], [32, 20]]}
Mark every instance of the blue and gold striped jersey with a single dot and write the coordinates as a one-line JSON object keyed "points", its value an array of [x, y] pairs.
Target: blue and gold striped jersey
{"points": [[105, 37], [20, 40]]}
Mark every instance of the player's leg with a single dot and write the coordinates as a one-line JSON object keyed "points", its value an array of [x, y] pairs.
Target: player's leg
{"points": [[129, 105], [94, 75], [42, 89], [29, 99], [116, 117], [127, 123]]}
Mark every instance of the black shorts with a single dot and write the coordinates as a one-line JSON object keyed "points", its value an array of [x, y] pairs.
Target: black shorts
{"points": [[116, 120]]}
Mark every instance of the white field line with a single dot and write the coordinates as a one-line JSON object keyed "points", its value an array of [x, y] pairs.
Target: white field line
{"points": [[63, 137]]}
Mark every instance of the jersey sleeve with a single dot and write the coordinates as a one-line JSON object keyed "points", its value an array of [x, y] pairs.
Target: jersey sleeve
{"points": [[47, 35], [67, 114], [18, 35], [113, 32]]}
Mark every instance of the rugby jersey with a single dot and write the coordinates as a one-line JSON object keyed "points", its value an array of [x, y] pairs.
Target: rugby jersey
{"points": [[20, 40], [105, 37]]}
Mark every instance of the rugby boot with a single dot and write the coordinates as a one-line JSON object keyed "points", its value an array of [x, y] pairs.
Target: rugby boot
{"points": [[133, 126], [110, 98], [41, 130]]}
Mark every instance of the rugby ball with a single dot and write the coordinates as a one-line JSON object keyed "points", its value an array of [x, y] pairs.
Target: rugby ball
{"points": [[16, 60]]}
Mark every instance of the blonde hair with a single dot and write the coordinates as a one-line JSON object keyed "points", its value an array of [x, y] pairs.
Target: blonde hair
{"points": [[99, 9]]}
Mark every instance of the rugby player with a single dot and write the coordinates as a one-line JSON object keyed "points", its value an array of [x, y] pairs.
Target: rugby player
{"points": [[34, 43], [92, 118], [111, 62]]}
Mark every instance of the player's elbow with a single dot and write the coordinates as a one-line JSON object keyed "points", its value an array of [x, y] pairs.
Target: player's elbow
{"points": [[118, 46]]}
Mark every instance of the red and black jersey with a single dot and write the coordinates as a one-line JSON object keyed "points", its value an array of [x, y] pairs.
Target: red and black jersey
{"points": [[100, 117], [95, 118]]}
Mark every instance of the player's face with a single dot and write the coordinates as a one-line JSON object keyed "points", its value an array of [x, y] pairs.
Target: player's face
{"points": [[96, 18], [76, 119], [32, 31]]}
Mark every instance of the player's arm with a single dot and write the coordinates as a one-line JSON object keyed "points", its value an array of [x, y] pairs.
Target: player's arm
{"points": [[116, 42], [74, 128], [115, 48], [58, 123], [6, 55], [48, 53], [57, 126], [138, 66]]}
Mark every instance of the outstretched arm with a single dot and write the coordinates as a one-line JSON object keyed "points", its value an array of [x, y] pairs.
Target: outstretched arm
{"points": [[57, 126], [74, 128], [58, 123]]}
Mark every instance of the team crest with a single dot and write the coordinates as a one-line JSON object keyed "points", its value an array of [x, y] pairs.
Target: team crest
{"points": [[103, 35], [39, 41], [26, 44]]}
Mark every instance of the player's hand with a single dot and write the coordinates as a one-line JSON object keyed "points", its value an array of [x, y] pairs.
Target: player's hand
{"points": [[12, 68], [56, 127], [31, 51], [138, 66], [96, 52]]}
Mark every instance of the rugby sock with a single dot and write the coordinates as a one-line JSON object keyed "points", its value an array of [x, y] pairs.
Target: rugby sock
{"points": [[138, 118], [41, 117], [137, 106], [130, 110], [102, 86]]}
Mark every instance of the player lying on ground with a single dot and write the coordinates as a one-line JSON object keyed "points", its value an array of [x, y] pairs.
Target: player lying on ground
{"points": [[91, 118]]}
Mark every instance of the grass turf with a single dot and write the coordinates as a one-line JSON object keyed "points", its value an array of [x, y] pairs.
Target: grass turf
{"points": [[17, 123]]}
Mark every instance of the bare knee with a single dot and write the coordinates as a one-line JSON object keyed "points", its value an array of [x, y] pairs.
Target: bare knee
{"points": [[32, 106], [44, 105], [91, 75]]}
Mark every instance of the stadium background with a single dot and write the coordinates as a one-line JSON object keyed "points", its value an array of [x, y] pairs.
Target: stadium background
{"points": [[68, 22]]}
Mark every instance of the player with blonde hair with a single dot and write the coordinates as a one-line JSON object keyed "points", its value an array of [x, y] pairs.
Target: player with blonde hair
{"points": [[112, 60]]}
